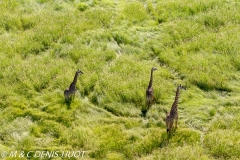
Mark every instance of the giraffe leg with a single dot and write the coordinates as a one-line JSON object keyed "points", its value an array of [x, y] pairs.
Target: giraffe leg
{"points": [[148, 105], [73, 96], [167, 125], [145, 108], [170, 127], [175, 124], [75, 90], [176, 121]]}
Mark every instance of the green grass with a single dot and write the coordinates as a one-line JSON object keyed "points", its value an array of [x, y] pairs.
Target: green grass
{"points": [[115, 44]]}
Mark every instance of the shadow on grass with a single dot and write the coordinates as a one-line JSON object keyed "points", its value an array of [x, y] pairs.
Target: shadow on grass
{"points": [[164, 140], [144, 113], [166, 137], [68, 102]]}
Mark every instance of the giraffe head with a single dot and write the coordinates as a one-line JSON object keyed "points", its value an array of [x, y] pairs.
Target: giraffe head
{"points": [[153, 68], [181, 87], [79, 72]]}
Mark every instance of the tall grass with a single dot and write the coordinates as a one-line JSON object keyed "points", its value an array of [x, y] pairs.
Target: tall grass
{"points": [[115, 44]]}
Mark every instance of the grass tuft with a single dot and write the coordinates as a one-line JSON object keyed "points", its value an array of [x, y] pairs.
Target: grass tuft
{"points": [[115, 44], [225, 145]]}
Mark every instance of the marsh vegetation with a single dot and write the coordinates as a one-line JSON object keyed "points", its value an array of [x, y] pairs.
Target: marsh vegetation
{"points": [[115, 44]]}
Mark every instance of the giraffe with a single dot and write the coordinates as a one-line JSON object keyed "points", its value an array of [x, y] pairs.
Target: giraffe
{"points": [[173, 114], [72, 88], [149, 94]]}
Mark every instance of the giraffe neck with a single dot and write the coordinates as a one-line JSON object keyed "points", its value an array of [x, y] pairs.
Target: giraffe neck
{"points": [[73, 84], [175, 103], [151, 80]]}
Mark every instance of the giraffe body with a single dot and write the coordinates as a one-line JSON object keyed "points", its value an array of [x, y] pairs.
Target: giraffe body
{"points": [[149, 94], [173, 114], [69, 92]]}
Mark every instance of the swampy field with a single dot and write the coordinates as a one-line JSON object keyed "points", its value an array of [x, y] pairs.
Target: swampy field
{"points": [[115, 43]]}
